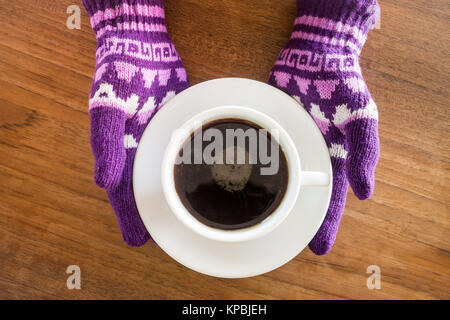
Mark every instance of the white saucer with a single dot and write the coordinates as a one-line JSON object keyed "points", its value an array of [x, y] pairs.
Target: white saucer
{"points": [[242, 259]]}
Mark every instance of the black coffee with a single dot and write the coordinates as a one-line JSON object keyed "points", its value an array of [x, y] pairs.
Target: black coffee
{"points": [[232, 195]]}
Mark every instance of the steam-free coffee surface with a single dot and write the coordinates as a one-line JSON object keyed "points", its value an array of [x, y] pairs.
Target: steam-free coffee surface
{"points": [[234, 195]]}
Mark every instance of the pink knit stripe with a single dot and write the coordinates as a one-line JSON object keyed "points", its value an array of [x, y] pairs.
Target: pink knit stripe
{"points": [[133, 26], [318, 38], [332, 25], [108, 104], [143, 117], [129, 10], [324, 126]]}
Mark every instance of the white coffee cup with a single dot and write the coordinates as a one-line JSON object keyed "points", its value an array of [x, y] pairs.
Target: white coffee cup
{"points": [[297, 177]]}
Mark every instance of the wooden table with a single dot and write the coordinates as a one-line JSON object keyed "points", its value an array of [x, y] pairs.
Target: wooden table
{"points": [[52, 215]]}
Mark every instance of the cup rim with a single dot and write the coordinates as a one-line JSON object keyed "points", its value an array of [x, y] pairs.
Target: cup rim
{"points": [[250, 233]]}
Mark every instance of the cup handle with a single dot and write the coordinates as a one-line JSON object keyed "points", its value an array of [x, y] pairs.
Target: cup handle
{"points": [[314, 178]]}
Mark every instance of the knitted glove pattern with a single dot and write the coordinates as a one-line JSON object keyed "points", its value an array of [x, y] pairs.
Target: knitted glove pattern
{"points": [[138, 70], [320, 68]]}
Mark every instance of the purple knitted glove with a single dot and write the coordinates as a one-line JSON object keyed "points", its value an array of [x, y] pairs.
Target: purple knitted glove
{"points": [[138, 70], [320, 68]]}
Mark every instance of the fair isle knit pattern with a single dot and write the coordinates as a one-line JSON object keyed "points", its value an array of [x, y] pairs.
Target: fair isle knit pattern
{"points": [[138, 70], [320, 68]]}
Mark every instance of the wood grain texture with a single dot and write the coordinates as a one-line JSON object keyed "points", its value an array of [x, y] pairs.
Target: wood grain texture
{"points": [[52, 215]]}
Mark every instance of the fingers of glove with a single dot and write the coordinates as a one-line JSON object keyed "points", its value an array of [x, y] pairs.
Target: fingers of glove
{"points": [[363, 153], [107, 142], [324, 239], [133, 230]]}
